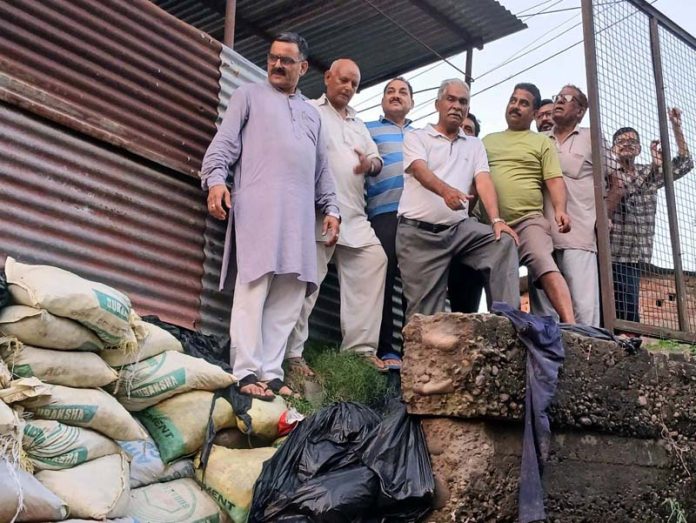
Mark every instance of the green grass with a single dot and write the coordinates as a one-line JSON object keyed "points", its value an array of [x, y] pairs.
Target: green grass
{"points": [[342, 377], [670, 346]]}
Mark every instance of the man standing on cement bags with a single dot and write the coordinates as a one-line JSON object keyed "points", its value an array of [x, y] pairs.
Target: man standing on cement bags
{"points": [[359, 257], [435, 230], [522, 162], [575, 252], [273, 138], [383, 195], [632, 204]]}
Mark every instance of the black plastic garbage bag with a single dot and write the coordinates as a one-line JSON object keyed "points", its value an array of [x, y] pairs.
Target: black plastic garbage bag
{"points": [[344, 465], [210, 348], [398, 454], [4, 293]]}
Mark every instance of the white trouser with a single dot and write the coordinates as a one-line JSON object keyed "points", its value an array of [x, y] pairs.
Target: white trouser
{"points": [[263, 315], [361, 275], [579, 268]]}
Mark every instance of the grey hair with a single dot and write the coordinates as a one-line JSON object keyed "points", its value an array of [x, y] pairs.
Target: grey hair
{"points": [[451, 81]]}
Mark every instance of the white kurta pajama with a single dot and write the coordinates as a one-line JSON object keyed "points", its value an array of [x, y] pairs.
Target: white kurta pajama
{"points": [[359, 257], [281, 174]]}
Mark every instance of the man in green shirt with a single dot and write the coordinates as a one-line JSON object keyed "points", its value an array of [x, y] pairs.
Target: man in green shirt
{"points": [[522, 163]]}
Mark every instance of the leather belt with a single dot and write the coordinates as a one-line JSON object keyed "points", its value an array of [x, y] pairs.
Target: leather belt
{"points": [[430, 227]]}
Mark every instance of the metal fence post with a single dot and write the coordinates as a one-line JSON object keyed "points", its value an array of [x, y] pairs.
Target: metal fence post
{"points": [[668, 175], [606, 282]]}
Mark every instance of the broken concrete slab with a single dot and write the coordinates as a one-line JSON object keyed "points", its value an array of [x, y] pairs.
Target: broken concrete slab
{"points": [[473, 366], [588, 477]]}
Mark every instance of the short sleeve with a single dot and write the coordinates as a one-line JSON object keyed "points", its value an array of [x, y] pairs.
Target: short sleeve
{"points": [[413, 149], [480, 159], [550, 164]]}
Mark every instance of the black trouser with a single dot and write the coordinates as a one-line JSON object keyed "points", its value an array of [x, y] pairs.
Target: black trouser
{"points": [[626, 290], [385, 229], [464, 288]]}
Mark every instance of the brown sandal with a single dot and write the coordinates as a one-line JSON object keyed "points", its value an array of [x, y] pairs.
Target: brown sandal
{"points": [[300, 366]]}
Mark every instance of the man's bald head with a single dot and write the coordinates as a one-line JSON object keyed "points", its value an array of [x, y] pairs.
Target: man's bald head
{"points": [[342, 81]]}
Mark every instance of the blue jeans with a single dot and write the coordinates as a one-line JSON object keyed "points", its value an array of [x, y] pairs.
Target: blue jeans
{"points": [[626, 290]]}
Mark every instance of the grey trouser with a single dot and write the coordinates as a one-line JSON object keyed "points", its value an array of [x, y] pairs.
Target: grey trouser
{"points": [[425, 258]]}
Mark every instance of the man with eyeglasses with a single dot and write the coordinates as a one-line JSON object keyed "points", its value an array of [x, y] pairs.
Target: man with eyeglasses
{"points": [[632, 204], [575, 252], [522, 163], [544, 116], [272, 138], [359, 257]]}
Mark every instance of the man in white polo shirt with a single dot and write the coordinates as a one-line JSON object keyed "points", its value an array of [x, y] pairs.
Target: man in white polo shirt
{"points": [[435, 231]]}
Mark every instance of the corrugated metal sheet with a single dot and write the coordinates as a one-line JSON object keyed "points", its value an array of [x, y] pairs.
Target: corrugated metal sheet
{"points": [[70, 201], [215, 305], [125, 72], [356, 29]]}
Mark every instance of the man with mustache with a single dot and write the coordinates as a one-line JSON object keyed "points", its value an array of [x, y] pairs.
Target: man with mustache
{"points": [[435, 230], [522, 162], [575, 252], [632, 204], [544, 116], [272, 137], [383, 195], [359, 257]]}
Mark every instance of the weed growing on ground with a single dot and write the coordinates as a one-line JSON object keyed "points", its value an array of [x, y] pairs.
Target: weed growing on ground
{"points": [[343, 377], [676, 512]]}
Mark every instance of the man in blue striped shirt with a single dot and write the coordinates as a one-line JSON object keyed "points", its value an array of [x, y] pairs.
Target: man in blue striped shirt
{"points": [[383, 194]]}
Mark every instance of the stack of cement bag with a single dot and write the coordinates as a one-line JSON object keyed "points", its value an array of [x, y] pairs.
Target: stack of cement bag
{"points": [[85, 364]]}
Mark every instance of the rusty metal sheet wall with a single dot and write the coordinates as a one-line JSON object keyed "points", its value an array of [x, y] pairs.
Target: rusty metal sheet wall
{"points": [[125, 72], [235, 70], [70, 201]]}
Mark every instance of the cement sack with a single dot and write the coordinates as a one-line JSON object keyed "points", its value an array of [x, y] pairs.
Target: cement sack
{"points": [[152, 340], [5, 375], [70, 368], [40, 504], [40, 328], [97, 489], [147, 383], [147, 467], [180, 501], [178, 425], [230, 476], [102, 309], [117, 520], [90, 408], [51, 445], [265, 416], [8, 419], [24, 389]]}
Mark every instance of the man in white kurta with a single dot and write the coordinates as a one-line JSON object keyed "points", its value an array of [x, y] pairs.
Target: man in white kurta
{"points": [[359, 257]]}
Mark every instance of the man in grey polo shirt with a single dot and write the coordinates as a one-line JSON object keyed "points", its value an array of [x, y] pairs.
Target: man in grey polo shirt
{"points": [[575, 252], [442, 164]]}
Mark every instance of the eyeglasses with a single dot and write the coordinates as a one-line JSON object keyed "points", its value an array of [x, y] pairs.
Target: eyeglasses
{"points": [[545, 114], [626, 141], [565, 98], [284, 60]]}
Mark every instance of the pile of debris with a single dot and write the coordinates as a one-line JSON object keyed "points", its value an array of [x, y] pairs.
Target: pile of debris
{"points": [[103, 416]]}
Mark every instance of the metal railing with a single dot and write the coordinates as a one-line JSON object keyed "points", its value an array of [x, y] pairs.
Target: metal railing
{"points": [[640, 67]]}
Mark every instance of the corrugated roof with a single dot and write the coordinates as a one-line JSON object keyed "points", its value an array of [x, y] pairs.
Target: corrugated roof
{"points": [[378, 41]]}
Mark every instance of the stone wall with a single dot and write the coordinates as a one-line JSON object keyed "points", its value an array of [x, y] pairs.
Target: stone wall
{"points": [[624, 424]]}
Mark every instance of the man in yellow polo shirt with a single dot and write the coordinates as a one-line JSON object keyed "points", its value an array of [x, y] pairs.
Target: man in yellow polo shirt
{"points": [[522, 163]]}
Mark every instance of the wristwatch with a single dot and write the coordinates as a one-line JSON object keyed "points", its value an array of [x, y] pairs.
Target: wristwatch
{"points": [[496, 220]]}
